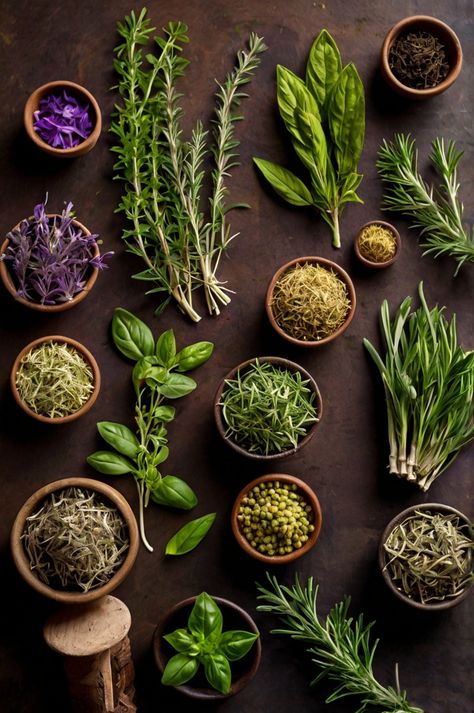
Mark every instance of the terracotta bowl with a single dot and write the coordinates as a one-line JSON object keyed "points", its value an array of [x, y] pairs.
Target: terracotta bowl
{"points": [[234, 617], [279, 362], [370, 263], [86, 354], [438, 29], [329, 265], [383, 558], [33, 503], [80, 93], [309, 496], [7, 280]]}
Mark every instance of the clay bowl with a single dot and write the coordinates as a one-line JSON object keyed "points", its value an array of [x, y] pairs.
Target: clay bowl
{"points": [[222, 426], [328, 265], [443, 33], [383, 558], [371, 263], [84, 96], [86, 354], [234, 617], [309, 496], [33, 504], [7, 280]]}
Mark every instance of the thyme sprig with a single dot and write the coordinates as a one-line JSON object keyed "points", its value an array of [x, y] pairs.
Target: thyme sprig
{"points": [[340, 646]]}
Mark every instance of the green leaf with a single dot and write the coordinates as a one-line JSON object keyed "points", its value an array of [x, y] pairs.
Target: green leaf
{"points": [[110, 463], [314, 137], [146, 369], [217, 671], [235, 644], [190, 535], [174, 492], [181, 640], [119, 437], [194, 355], [179, 669], [131, 336], [346, 118], [285, 183], [164, 413], [293, 94], [177, 385], [323, 69], [205, 619], [166, 348]]}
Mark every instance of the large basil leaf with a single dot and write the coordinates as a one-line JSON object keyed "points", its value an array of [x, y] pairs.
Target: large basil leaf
{"points": [[165, 349], [193, 355], [313, 135], [346, 119], [174, 492], [110, 463], [190, 535], [131, 336], [217, 671], [205, 619], [293, 94], [285, 183], [177, 385], [179, 669], [235, 644], [181, 640], [119, 437], [323, 69]]}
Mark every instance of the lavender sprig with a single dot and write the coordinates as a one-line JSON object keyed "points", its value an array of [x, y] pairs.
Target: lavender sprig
{"points": [[62, 121]]}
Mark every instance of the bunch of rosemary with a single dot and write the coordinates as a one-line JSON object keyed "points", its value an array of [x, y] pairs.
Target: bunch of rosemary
{"points": [[340, 646], [429, 385], [164, 174]]}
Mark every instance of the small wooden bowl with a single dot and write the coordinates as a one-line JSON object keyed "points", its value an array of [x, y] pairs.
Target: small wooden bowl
{"points": [[310, 497], [443, 33], [370, 263], [85, 353], [80, 93], [234, 617], [328, 265], [7, 280], [279, 362], [383, 556], [33, 503]]}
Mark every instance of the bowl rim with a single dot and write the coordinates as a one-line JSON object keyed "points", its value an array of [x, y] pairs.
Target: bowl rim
{"points": [[208, 694], [20, 558], [310, 497], [326, 263], [278, 361], [385, 263], [84, 352], [444, 604], [394, 32], [32, 104], [7, 279]]}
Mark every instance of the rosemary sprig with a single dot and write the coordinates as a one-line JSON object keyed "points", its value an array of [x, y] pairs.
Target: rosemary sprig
{"points": [[439, 213], [339, 646]]}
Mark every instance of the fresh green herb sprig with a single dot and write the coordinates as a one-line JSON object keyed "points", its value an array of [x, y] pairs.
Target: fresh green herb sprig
{"points": [[325, 117], [438, 213], [165, 174], [429, 385], [157, 376], [190, 535], [339, 646]]}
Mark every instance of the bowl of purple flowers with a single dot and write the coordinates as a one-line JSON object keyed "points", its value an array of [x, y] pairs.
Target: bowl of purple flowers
{"points": [[50, 262], [63, 119]]}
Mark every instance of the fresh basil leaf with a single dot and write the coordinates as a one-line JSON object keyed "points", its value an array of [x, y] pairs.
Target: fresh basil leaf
{"points": [[110, 463], [323, 69], [146, 369], [161, 456], [313, 135], [293, 94], [205, 619], [119, 437], [181, 640], [348, 188], [164, 413], [190, 535], [346, 118], [217, 671], [177, 385], [174, 492], [179, 669], [131, 336], [194, 355], [165, 349], [235, 644], [285, 183]]}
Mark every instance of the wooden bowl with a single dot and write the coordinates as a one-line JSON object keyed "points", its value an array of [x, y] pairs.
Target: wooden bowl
{"points": [[371, 263], [86, 354], [33, 503], [279, 362], [234, 617], [329, 265], [438, 29], [309, 496]]}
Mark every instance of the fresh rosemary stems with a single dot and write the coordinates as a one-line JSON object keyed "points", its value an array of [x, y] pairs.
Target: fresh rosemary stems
{"points": [[75, 540]]}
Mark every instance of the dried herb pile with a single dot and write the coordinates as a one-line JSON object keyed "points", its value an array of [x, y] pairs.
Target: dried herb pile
{"points": [[62, 121], [377, 243], [418, 60]]}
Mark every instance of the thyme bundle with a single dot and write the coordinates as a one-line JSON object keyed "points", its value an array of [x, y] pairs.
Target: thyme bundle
{"points": [[377, 243], [54, 379], [75, 540], [310, 302], [429, 556], [418, 60]]}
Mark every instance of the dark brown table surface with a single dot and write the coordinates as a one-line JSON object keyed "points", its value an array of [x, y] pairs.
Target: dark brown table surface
{"points": [[346, 461]]}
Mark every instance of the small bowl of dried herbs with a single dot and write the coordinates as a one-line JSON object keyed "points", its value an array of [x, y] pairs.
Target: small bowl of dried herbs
{"points": [[276, 518], [377, 244], [421, 57], [63, 119], [267, 408], [310, 301], [55, 379], [426, 556], [74, 540]]}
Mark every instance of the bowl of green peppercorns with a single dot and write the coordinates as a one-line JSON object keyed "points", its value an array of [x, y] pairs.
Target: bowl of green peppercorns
{"points": [[276, 518]]}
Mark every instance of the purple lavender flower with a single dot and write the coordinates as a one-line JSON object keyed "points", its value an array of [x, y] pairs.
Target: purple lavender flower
{"points": [[62, 121]]}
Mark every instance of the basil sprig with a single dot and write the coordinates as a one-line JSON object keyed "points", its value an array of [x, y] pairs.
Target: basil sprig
{"points": [[325, 117], [204, 642], [156, 376]]}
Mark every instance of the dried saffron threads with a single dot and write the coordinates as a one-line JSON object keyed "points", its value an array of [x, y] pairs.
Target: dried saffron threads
{"points": [[418, 60], [377, 243], [310, 302], [62, 121]]}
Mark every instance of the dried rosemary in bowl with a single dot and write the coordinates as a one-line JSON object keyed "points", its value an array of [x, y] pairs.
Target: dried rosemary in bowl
{"points": [[75, 541], [377, 243]]}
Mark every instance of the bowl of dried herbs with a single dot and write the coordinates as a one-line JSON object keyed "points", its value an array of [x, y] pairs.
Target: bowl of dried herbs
{"points": [[74, 540], [377, 244], [310, 301]]}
